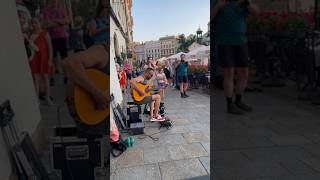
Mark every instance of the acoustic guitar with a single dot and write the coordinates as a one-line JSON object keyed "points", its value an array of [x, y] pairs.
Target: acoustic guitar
{"points": [[146, 88], [85, 105]]}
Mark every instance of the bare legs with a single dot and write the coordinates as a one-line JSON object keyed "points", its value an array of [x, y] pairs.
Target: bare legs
{"points": [[155, 104], [242, 74], [38, 79], [161, 91], [47, 88], [228, 82]]}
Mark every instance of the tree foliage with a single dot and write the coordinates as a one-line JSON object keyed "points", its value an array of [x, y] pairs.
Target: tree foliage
{"points": [[184, 42]]}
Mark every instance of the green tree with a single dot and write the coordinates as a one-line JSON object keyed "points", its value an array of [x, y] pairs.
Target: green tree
{"points": [[184, 42]]}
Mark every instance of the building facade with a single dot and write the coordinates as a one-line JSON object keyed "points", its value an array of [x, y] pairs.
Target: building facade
{"points": [[139, 50], [152, 49], [128, 7], [206, 37], [169, 45], [119, 40]]}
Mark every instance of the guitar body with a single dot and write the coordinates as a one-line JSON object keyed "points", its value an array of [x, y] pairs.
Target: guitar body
{"points": [[84, 104], [135, 94]]}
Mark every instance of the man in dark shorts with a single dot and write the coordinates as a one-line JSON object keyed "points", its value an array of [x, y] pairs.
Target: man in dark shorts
{"points": [[230, 29], [182, 74], [154, 99]]}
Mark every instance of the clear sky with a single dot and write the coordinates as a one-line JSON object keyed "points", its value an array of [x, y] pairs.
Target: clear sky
{"points": [[156, 18]]}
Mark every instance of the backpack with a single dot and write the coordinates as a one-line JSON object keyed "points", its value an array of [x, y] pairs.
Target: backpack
{"points": [[118, 146], [162, 109]]}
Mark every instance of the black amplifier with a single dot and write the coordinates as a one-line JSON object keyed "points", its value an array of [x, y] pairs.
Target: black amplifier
{"points": [[78, 158], [133, 112]]}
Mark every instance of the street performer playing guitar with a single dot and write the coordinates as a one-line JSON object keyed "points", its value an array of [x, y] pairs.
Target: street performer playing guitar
{"points": [[76, 67], [143, 96]]}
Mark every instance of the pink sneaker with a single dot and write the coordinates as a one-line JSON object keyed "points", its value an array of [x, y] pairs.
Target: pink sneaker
{"points": [[157, 119]]}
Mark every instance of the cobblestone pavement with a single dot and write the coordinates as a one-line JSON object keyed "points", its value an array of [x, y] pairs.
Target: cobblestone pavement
{"points": [[180, 153], [279, 140]]}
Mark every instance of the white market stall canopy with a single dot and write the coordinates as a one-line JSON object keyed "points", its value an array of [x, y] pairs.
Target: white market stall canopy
{"points": [[175, 56], [162, 59], [199, 52]]}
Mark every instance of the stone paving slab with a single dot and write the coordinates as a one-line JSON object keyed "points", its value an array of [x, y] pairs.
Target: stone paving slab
{"points": [[199, 127], [205, 161], [312, 149], [313, 162], [177, 130], [181, 122], [186, 151], [229, 156], [252, 169], [144, 159], [297, 167], [206, 147], [276, 153], [314, 137], [148, 172], [244, 132], [230, 143], [164, 140], [131, 157], [289, 140], [279, 140], [156, 155], [195, 137], [182, 169], [260, 141]]}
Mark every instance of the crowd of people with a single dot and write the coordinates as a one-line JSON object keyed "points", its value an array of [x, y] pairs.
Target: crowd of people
{"points": [[159, 75], [50, 36], [164, 74]]}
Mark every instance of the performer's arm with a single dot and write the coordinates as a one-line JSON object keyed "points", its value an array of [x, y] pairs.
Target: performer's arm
{"points": [[134, 82], [75, 67]]}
